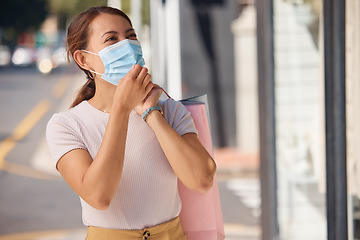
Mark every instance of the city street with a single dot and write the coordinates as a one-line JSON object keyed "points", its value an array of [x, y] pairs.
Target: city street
{"points": [[35, 203], [31, 199]]}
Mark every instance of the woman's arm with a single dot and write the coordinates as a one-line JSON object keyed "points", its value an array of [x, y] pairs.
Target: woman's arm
{"points": [[96, 180], [189, 159]]}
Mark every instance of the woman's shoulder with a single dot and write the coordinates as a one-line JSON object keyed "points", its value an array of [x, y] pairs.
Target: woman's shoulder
{"points": [[177, 116], [171, 105], [173, 110], [63, 133], [67, 117]]}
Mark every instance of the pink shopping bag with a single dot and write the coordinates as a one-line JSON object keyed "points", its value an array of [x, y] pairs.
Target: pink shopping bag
{"points": [[201, 215]]}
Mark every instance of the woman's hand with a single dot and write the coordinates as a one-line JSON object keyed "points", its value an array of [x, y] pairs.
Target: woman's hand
{"points": [[132, 89], [150, 100]]}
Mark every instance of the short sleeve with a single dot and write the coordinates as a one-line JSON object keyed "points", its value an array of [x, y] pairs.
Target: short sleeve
{"points": [[62, 137], [178, 117]]}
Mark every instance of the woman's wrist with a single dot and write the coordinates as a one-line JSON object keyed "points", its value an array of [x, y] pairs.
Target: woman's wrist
{"points": [[121, 108], [153, 117], [151, 110]]}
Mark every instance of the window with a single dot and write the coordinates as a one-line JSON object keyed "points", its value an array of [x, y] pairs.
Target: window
{"points": [[299, 119]]}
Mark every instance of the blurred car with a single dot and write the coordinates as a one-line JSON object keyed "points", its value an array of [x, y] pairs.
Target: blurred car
{"points": [[5, 55], [44, 59], [48, 58], [23, 56], [59, 57]]}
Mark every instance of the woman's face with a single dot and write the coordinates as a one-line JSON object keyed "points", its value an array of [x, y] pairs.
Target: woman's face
{"points": [[105, 30]]}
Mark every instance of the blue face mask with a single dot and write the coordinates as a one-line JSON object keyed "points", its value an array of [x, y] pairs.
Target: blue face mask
{"points": [[118, 59]]}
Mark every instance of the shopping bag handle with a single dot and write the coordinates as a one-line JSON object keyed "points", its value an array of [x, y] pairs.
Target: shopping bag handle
{"points": [[195, 100], [158, 87]]}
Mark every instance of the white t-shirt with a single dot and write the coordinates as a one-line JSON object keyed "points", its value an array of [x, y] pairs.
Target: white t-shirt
{"points": [[147, 193]]}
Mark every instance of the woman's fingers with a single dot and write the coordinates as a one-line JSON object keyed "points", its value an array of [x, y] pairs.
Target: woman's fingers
{"points": [[149, 88], [147, 81], [135, 86], [144, 77], [135, 71], [142, 74], [144, 80]]}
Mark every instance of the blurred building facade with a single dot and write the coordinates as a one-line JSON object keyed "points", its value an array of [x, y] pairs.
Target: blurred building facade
{"points": [[193, 54], [290, 76], [353, 114], [308, 56]]}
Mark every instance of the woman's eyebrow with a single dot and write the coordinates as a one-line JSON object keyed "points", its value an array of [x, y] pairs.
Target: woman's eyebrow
{"points": [[108, 32], [129, 30]]}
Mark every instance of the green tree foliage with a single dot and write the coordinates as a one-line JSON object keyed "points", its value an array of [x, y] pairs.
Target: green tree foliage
{"points": [[68, 9], [145, 12], [18, 16]]}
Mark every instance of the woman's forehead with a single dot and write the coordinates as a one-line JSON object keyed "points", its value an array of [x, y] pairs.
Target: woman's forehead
{"points": [[109, 22]]}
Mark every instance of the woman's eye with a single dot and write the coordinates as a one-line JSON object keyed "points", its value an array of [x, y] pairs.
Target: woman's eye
{"points": [[111, 39], [132, 35]]}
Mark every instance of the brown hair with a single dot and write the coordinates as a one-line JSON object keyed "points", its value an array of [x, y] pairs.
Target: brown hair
{"points": [[77, 39]]}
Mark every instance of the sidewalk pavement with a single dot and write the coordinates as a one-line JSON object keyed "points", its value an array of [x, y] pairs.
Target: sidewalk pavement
{"points": [[231, 163], [234, 165]]}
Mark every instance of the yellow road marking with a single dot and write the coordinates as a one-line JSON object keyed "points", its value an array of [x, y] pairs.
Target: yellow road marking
{"points": [[60, 87], [53, 234], [26, 171], [31, 119], [23, 129], [5, 147]]}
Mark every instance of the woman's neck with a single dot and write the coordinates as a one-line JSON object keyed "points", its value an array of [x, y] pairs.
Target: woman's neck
{"points": [[103, 98]]}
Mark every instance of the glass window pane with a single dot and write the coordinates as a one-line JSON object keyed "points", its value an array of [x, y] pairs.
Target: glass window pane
{"points": [[353, 115], [299, 104]]}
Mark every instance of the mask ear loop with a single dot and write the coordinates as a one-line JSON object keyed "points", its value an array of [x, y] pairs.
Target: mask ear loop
{"points": [[92, 71], [90, 52], [89, 74]]}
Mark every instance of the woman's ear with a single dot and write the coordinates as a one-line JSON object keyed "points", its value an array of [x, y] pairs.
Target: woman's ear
{"points": [[80, 58]]}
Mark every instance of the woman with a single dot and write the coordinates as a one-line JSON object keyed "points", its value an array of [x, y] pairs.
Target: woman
{"points": [[120, 148]]}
